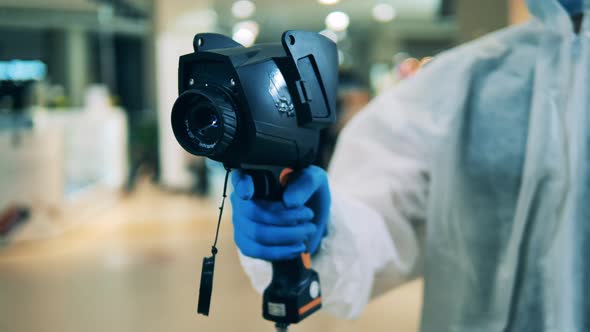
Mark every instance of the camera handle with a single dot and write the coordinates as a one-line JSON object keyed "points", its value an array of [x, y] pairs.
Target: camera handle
{"points": [[294, 291]]}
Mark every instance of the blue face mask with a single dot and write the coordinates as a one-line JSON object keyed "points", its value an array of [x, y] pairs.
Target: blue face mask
{"points": [[572, 6]]}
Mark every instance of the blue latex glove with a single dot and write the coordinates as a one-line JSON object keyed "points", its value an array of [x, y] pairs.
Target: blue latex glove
{"points": [[283, 229], [572, 6]]}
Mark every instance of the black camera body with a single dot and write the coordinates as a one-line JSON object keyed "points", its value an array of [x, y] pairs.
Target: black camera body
{"points": [[256, 107], [261, 109]]}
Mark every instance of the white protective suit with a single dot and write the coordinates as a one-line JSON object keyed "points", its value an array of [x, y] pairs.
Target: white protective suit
{"points": [[473, 174]]}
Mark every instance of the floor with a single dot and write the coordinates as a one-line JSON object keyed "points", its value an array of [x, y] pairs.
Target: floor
{"points": [[135, 267]]}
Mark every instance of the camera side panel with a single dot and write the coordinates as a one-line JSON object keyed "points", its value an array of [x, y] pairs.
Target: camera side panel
{"points": [[278, 139]]}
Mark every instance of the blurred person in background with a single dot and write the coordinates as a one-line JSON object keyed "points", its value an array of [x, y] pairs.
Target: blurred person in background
{"points": [[473, 174]]}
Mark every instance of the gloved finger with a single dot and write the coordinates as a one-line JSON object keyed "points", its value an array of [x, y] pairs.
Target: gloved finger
{"points": [[320, 202], [253, 249], [243, 184], [270, 213], [275, 235], [300, 189]]}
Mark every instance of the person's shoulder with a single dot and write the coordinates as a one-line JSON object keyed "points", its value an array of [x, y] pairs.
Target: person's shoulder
{"points": [[458, 65], [448, 76], [495, 45]]}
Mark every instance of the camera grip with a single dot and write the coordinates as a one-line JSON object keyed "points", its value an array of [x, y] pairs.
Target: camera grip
{"points": [[294, 291]]}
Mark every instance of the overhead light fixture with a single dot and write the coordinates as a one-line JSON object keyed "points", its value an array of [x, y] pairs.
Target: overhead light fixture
{"points": [[247, 25], [244, 37], [328, 2], [245, 32], [337, 21], [384, 12], [22, 70], [243, 9]]}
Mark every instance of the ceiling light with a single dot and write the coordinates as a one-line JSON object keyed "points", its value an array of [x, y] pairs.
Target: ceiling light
{"points": [[337, 21], [244, 37], [384, 12], [328, 2], [248, 25], [243, 9], [246, 32]]}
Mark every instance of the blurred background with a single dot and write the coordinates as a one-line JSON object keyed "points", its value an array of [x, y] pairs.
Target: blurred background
{"points": [[104, 219]]}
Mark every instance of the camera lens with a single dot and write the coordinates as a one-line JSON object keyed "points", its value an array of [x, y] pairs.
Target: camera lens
{"points": [[204, 122]]}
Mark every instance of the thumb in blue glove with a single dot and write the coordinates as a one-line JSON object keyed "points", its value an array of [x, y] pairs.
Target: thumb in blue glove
{"points": [[281, 230]]}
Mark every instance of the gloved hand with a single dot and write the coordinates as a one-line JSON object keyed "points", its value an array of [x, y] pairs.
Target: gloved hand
{"points": [[281, 230]]}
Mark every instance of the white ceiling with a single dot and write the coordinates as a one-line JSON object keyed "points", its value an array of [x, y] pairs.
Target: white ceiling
{"points": [[276, 16], [310, 10], [302, 13]]}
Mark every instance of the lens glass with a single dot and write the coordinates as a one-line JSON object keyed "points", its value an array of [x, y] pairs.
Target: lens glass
{"points": [[203, 123]]}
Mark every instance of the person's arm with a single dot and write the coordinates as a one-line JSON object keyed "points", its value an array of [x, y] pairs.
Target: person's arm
{"points": [[379, 182], [382, 162]]}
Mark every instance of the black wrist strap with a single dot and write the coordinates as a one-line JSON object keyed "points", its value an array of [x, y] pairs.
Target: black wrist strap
{"points": [[206, 287]]}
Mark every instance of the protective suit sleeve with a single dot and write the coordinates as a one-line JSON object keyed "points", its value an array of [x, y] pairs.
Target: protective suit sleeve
{"points": [[382, 163], [379, 181]]}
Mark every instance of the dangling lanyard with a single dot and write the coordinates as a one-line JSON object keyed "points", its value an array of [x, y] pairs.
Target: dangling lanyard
{"points": [[206, 287]]}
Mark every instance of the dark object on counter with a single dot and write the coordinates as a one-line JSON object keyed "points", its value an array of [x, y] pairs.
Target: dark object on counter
{"points": [[261, 109], [12, 217]]}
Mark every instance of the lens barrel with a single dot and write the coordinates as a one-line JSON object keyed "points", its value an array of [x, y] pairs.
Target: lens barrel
{"points": [[204, 122]]}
